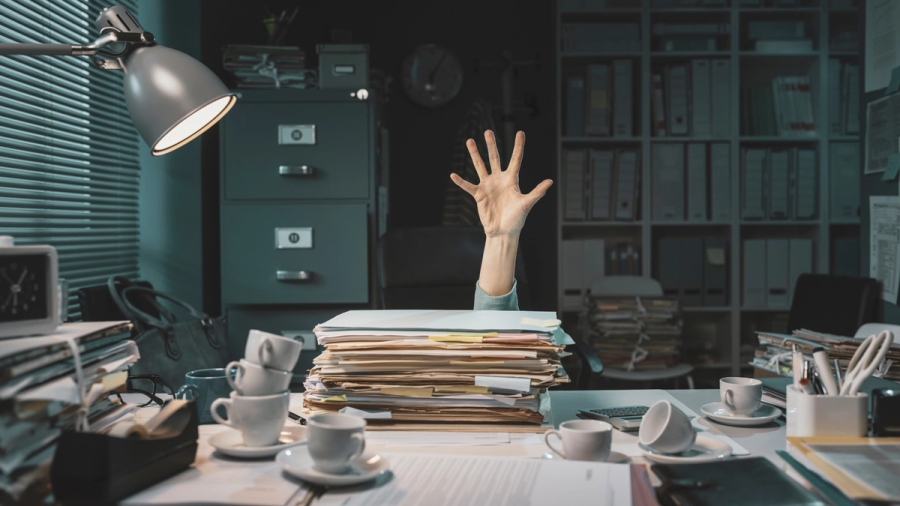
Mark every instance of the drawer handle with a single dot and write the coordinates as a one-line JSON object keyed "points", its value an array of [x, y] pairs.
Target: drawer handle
{"points": [[296, 170], [294, 275]]}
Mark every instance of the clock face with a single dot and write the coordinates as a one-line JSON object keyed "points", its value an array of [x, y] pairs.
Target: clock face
{"points": [[432, 76], [23, 285]]}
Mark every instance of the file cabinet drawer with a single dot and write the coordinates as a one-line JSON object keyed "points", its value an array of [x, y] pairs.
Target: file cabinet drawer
{"points": [[293, 254], [296, 150]]}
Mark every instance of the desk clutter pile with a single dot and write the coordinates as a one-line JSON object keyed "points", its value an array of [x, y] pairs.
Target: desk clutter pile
{"points": [[268, 66], [441, 370], [635, 333], [41, 397]]}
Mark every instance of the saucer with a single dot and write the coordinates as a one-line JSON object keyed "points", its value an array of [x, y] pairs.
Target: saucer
{"points": [[705, 449], [717, 411], [231, 443], [614, 458], [298, 462]]}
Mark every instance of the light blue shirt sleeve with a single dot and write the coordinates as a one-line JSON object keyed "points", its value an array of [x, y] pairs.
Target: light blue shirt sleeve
{"points": [[507, 302]]}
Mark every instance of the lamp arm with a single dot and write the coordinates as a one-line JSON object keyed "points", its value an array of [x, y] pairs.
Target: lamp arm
{"points": [[95, 47]]}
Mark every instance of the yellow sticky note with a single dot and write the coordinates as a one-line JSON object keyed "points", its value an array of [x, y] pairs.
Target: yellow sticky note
{"points": [[337, 398], [114, 380], [408, 391], [540, 323], [469, 389], [457, 339], [598, 99]]}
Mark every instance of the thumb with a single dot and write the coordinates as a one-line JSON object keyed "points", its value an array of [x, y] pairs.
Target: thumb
{"points": [[539, 191]]}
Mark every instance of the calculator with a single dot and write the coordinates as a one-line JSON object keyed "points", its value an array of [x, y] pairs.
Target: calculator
{"points": [[624, 418]]}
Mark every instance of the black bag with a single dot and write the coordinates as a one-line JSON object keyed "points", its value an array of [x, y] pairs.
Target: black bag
{"points": [[171, 348]]}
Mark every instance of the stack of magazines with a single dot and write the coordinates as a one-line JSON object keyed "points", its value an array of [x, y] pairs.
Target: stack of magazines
{"points": [[441, 370], [268, 66], [635, 332], [40, 397]]}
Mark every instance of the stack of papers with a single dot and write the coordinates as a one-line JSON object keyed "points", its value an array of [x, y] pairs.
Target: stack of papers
{"points": [[268, 66], [635, 332], [39, 398], [440, 370]]}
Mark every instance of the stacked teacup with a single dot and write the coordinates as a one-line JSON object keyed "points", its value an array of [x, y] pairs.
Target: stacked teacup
{"points": [[258, 406]]}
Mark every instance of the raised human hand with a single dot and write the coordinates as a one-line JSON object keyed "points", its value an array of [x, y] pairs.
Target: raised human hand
{"points": [[501, 205]]}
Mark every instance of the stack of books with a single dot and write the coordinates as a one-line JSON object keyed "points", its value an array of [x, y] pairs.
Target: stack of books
{"points": [[268, 66], [40, 398], [635, 332], [441, 370]]}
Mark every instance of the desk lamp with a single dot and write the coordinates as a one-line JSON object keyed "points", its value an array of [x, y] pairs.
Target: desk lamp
{"points": [[171, 97]]}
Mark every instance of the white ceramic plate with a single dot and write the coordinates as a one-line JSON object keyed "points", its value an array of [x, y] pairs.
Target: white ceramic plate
{"points": [[231, 443], [298, 462], [614, 457], [717, 411], [705, 449]]}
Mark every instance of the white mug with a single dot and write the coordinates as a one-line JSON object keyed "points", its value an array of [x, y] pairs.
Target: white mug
{"points": [[335, 441], [272, 350], [260, 419], [741, 396], [582, 440], [666, 429], [252, 379]]}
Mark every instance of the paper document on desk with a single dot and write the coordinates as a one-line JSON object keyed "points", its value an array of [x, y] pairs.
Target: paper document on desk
{"points": [[863, 468], [436, 438], [450, 480], [423, 319]]}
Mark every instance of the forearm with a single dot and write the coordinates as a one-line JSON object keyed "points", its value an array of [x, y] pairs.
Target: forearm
{"points": [[498, 265]]}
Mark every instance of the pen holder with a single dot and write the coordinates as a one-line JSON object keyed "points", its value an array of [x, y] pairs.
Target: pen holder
{"points": [[826, 415]]}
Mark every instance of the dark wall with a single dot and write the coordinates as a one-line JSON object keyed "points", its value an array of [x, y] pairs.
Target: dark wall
{"points": [[422, 140]]}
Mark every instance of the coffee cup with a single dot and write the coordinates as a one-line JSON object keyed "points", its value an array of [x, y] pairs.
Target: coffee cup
{"points": [[272, 351], [204, 386], [741, 396], [259, 418], [335, 441], [666, 429], [582, 440], [252, 379]]}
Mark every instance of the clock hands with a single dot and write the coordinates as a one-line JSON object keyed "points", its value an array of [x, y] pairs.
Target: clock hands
{"points": [[430, 84], [22, 277]]}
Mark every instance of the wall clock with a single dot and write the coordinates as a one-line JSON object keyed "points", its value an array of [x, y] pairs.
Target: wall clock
{"points": [[431, 75]]}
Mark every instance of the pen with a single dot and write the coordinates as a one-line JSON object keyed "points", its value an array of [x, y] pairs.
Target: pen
{"points": [[795, 365], [824, 371], [837, 372]]}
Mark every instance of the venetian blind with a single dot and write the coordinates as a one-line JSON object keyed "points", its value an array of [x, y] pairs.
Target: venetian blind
{"points": [[69, 167]]}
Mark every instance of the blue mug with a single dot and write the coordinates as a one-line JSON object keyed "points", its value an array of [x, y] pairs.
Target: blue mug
{"points": [[204, 386]]}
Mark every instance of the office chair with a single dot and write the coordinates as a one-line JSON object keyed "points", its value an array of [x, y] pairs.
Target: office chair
{"points": [[437, 267], [833, 304]]}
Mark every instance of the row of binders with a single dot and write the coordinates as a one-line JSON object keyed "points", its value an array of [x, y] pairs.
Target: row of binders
{"points": [[601, 185], [601, 38], [586, 260], [692, 99], [843, 107], [691, 181], [600, 100], [771, 269], [779, 184], [695, 271], [441, 370], [783, 108]]}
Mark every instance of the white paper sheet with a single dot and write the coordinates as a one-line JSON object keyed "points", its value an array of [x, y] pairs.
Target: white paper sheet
{"points": [[882, 42], [453, 480], [882, 131], [504, 383], [876, 466], [884, 239], [441, 320], [435, 438]]}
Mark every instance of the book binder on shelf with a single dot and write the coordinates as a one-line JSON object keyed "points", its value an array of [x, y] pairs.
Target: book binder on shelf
{"points": [[844, 169], [720, 181], [777, 260], [754, 282], [691, 275], [753, 172], [575, 182], [779, 184], [701, 96], [657, 106], [676, 100], [626, 185], [805, 184], [696, 182], [715, 272], [601, 184], [623, 105], [573, 272], [598, 99], [668, 181], [575, 106], [720, 109]]}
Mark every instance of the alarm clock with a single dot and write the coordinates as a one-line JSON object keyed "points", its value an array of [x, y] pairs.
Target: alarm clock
{"points": [[28, 286], [431, 76]]}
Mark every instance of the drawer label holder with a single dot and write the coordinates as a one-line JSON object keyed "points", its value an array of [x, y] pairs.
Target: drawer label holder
{"points": [[294, 238]]}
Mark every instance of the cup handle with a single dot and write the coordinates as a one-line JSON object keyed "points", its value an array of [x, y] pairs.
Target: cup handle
{"points": [[195, 392], [213, 410], [557, 451], [234, 364], [265, 345], [729, 405], [361, 446]]}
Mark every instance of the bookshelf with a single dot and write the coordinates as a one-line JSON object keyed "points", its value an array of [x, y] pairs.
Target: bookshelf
{"points": [[725, 331]]}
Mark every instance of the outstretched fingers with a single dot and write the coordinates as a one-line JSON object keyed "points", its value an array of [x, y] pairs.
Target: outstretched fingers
{"points": [[539, 191], [465, 185], [476, 160], [493, 154], [515, 162]]}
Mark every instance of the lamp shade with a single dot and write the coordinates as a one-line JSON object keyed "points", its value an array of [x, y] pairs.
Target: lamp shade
{"points": [[172, 97]]}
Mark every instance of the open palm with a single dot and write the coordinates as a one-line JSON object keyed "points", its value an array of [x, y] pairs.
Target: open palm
{"points": [[501, 205]]}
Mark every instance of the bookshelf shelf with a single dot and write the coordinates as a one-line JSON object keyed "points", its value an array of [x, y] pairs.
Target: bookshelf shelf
{"points": [[722, 326]]}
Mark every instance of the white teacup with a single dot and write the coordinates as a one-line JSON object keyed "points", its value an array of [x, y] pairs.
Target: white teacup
{"points": [[260, 419], [582, 440], [335, 441], [252, 379], [272, 350], [666, 429], [741, 396]]}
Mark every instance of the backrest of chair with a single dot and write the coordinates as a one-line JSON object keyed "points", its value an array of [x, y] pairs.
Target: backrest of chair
{"points": [[869, 329], [435, 268], [626, 285], [834, 304], [97, 305]]}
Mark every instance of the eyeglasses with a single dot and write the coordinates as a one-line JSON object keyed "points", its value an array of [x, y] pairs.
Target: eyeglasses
{"points": [[149, 385]]}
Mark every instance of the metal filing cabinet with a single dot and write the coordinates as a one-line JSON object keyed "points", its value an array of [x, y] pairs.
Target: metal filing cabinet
{"points": [[297, 192]]}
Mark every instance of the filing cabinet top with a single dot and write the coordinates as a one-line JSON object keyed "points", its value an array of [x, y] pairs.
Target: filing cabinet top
{"points": [[292, 95]]}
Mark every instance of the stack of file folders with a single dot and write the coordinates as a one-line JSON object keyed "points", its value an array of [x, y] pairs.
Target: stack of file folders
{"points": [[635, 332], [441, 370], [40, 398], [268, 66], [774, 354]]}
